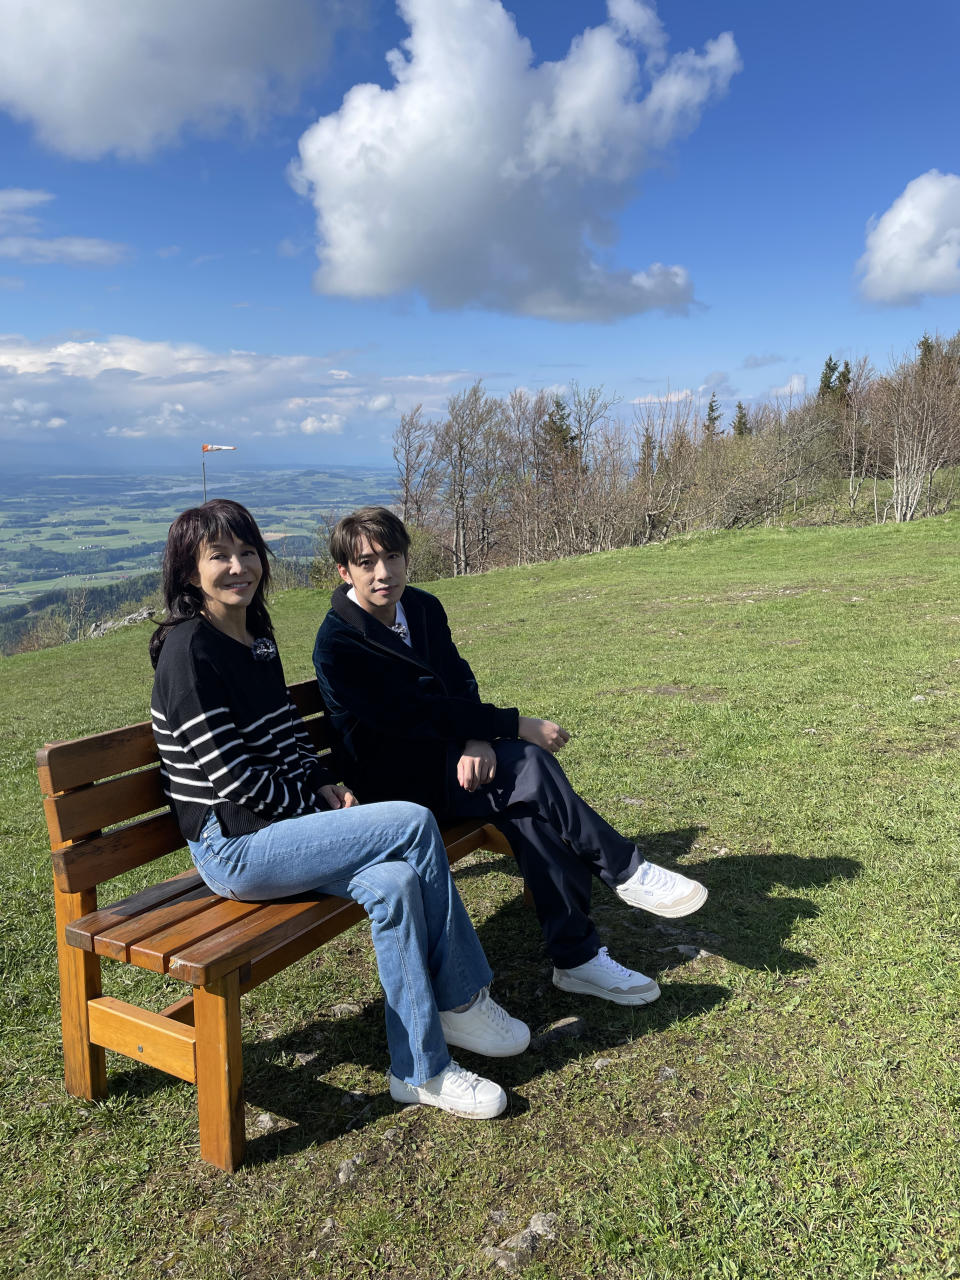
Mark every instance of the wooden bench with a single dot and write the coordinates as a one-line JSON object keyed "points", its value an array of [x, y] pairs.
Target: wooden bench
{"points": [[107, 815]]}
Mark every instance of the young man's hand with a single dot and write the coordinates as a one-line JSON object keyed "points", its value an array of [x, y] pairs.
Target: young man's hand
{"points": [[338, 797], [543, 733], [477, 765]]}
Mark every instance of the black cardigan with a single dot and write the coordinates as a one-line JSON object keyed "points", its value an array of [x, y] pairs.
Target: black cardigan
{"points": [[402, 714]]}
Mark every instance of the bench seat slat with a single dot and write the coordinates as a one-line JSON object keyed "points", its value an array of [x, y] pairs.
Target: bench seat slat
{"points": [[155, 949], [118, 940], [243, 943], [83, 931]]}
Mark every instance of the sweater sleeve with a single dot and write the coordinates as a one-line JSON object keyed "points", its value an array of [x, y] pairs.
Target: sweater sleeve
{"points": [[263, 766]]}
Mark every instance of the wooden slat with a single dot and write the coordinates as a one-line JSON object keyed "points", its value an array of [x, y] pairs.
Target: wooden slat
{"points": [[155, 950], [119, 940], [275, 924], [82, 931], [342, 915], [64, 765], [80, 813], [91, 862], [144, 1036]]}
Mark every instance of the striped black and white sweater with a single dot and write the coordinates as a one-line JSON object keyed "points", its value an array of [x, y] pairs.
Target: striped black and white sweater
{"points": [[229, 737]]}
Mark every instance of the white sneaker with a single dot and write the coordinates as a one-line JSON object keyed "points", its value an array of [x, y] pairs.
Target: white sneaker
{"points": [[603, 977], [665, 893], [454, 1090], [485, 1028]]}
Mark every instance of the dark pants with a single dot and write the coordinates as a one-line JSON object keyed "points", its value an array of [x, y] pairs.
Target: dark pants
{"points": [[558, 840]]}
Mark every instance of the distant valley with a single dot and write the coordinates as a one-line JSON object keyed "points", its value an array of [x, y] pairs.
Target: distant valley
{"points": [[62, 531]]}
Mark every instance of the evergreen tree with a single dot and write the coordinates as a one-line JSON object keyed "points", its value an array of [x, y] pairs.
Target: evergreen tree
{"points": [[711, 423], [741, 423], [828, 377], [559, 435]]}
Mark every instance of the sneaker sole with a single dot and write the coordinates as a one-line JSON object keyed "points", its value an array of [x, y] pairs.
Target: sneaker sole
{"points": [[671, 911], [408, 1095], [487, 1050], [577, 985]]}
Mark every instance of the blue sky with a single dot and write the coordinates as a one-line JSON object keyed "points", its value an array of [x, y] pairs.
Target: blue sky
{"points": [[252, 223]]}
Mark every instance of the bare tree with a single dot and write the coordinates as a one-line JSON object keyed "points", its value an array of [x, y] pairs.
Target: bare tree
{"points": [[414, 451], [917, 405]]}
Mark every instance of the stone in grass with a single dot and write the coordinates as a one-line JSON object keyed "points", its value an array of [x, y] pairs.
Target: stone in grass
{"points": [[516, 1251], [348, 1009], [563, 1029], [666, 1073], [347, 1171]]}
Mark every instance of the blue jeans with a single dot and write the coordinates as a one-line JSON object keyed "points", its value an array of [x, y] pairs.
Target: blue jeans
{"points": [[390, 858]]}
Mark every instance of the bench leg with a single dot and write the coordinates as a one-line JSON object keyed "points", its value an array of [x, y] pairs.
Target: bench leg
{"points": [[220, 1072], [84, 1064]]}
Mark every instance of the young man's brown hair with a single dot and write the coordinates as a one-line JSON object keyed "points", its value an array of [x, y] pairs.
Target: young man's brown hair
{"points": [[380, 527]]}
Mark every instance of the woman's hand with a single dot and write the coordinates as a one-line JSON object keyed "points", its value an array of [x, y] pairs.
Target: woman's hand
{"points": [[338, 797]]}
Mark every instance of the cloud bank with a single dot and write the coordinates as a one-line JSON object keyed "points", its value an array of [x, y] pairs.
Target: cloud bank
{"points": [[127, 76], [483, 179], [913, 250], [17, 205], [123, 388]]}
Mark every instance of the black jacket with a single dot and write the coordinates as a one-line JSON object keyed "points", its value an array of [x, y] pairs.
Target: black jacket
{"points": [[401, 713]]}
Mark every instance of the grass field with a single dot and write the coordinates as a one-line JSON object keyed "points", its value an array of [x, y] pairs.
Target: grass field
{"points": [[776, 712]]}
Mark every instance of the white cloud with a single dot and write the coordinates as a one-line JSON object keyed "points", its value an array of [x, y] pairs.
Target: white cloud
{"points": [[914, 248], [793, 389], [115, 76], [16, 204], [17, 216], [670, 397], [325, 424], [75, 251], [381, 403], [717, 383], [483, 179], [126, 388]]}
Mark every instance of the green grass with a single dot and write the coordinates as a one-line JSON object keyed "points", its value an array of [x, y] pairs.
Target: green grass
{"points": [[776, 712]]}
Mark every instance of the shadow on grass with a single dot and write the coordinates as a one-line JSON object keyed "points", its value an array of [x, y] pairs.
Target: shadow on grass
{"points": [[318, 1113], [743, 920], [285, 1074]]}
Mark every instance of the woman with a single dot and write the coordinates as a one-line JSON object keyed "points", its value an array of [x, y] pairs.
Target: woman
{"points": [[263, 818]]}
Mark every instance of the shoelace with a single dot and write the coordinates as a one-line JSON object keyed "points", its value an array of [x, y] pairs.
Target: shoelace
{"points": [[608, 962], [654, 877], [491, 1010], [462, 1075]]}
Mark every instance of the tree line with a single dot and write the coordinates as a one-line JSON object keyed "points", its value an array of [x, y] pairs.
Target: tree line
{"points": [[537, 476]]}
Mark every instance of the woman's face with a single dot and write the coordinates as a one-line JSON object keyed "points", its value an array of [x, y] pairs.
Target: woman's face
{"points": [[228, 573]]}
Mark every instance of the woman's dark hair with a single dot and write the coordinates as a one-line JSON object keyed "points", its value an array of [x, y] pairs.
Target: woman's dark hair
{"points": [[214, 521], [379, 526]]}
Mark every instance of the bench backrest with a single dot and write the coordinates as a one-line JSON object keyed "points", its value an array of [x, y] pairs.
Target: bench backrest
{"points": [[105, 811]]}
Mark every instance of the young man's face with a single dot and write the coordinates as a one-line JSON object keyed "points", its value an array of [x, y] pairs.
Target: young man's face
{"points": [[378, 577]]}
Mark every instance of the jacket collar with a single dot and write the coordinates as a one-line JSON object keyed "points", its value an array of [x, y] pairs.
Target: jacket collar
{"points": [[371, 628]]}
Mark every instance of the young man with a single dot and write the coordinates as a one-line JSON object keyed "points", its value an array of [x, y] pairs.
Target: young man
{"points": [[412, 726]]}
